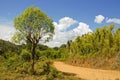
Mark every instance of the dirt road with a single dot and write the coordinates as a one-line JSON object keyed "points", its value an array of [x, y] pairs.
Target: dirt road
{"points": [[88, 73]]}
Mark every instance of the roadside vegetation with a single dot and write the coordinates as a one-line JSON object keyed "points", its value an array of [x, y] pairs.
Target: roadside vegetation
{"points": [[99, 49]]}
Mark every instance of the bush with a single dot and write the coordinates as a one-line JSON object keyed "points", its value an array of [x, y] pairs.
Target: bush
{"points": [[9, 54], [38, 54], [46, 69], [25, 56], [43, 67], [24, 68]]}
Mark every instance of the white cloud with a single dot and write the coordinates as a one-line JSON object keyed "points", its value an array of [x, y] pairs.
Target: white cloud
{"points": [[6, 28], [113, 20], [83, 28], [61, 37], [6, 32], [99, 19], [65, 22]]}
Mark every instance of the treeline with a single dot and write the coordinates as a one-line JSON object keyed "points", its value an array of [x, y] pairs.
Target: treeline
{"points": [[102, 40], [7, 47], [100, 48]]}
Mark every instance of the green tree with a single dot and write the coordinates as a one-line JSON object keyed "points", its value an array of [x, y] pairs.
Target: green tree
{"points": [[33, 26]]}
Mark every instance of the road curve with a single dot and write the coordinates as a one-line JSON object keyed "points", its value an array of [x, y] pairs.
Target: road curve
{"points": [[88, 73]]}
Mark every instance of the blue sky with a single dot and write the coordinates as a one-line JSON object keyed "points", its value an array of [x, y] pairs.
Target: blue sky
{"points": [[82, 11]]}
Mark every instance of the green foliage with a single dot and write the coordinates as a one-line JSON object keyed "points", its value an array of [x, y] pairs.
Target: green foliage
{"points": [[6, 46], [9, 54], [43, 67], [32, 24], [25, 55], [42, 47], [50, 54], [95, 49], [15, 69]]}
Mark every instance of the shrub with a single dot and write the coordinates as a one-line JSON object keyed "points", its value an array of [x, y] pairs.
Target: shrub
{"points": [[9, 54], [43, 67], [25, 56], [46, 69], [38, 54]]}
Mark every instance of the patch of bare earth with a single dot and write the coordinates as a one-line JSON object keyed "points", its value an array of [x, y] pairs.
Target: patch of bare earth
{"points": [[88, 73]]}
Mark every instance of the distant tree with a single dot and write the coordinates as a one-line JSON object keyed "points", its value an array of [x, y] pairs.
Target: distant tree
{"points": [[32, 26]]}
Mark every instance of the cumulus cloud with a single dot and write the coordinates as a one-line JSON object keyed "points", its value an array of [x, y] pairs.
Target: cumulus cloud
{"points": [[61, 37], [99, 19], [113, 20], [65, 22], [6, 32], [83, 28]]}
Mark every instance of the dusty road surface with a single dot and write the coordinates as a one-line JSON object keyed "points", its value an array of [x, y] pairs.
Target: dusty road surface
{"points": [[88, 73]]}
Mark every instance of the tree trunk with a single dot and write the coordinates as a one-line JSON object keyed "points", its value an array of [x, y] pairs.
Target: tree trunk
{"points": [[33, 57]]}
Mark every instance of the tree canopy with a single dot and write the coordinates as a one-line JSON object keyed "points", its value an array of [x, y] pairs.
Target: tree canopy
{"points": [[33, 25]]}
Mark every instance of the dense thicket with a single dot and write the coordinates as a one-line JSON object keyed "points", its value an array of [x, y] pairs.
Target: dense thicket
{"points": [[99, 48], [101, 40]]}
